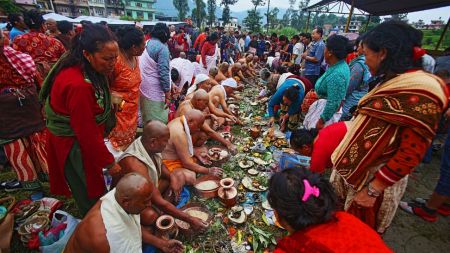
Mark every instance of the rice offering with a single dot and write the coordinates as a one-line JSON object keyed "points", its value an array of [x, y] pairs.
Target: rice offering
{"points": [[194, 213], [207, 185]]}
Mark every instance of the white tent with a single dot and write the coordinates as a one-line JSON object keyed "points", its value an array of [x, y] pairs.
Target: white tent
{"points": [[57, 17], [107, 20]]}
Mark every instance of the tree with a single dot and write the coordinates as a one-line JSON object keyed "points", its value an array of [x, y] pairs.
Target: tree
{"points": [[399, 17], [226, 10], [211, 12], [257, 3], [182, 8], [199, 13], [272, 18], [8, 6], [253, 21]]}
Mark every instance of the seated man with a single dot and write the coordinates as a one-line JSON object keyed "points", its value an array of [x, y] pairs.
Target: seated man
{"points": [[223, 72], [143, 156], [217, 99], [249, 62], [234, 71], [179, 152], [113, 223], [201, 82], [200, 101]]}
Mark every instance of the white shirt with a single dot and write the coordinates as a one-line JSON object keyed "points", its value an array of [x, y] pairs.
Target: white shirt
{"points": [[298, 50]]}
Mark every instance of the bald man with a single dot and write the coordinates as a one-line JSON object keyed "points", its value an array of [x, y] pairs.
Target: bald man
{"points": [[113, 223], [52, 28], [143, 156], [179, 152], [200, 101], [217, 99], [223, 72]]}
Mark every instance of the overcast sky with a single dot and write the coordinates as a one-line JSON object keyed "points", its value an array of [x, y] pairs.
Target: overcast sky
{"points": [[427, 15]]}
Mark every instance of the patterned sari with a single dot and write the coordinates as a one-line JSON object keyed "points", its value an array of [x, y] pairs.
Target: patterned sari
{"points": [[412, 102]]}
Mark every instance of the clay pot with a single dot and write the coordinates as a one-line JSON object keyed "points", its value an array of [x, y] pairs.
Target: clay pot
{"points": [[207, 194], [255, 132], [165, 227], [227, 192]]}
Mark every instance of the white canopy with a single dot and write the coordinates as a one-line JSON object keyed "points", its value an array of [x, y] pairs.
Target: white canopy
{"points": [[57, 17], [107, 20]]}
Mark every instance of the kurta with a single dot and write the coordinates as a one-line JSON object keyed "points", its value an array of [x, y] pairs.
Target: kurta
{"points": [[73, 96], [126, 83]]}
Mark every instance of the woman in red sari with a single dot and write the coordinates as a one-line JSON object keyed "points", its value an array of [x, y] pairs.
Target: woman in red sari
{"points": [[125, 85], [305, 205], [79, 115]]}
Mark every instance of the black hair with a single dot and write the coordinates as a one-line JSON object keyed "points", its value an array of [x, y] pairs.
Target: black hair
{"points": [[174, 74], [206, 29], [308, 36], [283, 38], [296, 37], [91, 39], [291, 93], [64, 26], [212, 37], [398, 39], [161, 32], [319, 30], [358, 41], [129, 36], [285, 195], [103, 23], [302, 137], [281, 69], [33, 19], [13, 18], [294, 69], [339, 46], [274, 35]]}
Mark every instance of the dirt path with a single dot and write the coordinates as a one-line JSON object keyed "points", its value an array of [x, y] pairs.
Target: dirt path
{"points": [[410, 234]]}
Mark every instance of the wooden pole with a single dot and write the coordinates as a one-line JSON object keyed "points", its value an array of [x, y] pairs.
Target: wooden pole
{"points": [[350, 16], [368, 22], [442, 35], [307, 21]]}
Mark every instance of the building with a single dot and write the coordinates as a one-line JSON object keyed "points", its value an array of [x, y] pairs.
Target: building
{"points": [[140, 9], [435, 25], [114, 8], [43, 5], [71, 8], [97, 8], [233, 24], [354, 27]]}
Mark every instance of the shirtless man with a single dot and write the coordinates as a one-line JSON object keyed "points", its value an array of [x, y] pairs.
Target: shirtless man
{"points": [[113, 223], [178, 154], [200, 101], [223, 72], [218, 96], [143, 156]]}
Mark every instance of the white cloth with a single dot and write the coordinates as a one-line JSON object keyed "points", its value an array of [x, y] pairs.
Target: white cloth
{"points": [[428, 63], [211, 61], [314, 112], [185, 69], [123, 230], [283, 78], [198, 79], [188, 136], [198, 69], [224, 92], [137, 149], [298, 50], [116, 153], [230, 82]]}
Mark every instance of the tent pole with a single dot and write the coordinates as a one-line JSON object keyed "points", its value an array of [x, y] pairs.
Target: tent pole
{"points": [[367, 24], [442, 35], [307, 21], [350, 16]]}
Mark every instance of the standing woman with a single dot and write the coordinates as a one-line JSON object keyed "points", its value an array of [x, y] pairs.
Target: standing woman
{"points": [[44, 50], [125, 86], [359, 81], [209, 51], [16, 25], [79, 115], [331, 87], [395, 124], [155, 73], [22, 127]]}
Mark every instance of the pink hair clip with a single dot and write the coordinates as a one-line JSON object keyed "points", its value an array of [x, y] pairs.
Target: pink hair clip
{"points": [[309, 190]]}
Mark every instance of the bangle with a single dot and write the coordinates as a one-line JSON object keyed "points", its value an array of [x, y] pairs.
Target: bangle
{"points": [[372, 192]]}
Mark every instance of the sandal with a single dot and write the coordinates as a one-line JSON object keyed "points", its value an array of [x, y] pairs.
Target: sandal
{"points": [[420, 210]]}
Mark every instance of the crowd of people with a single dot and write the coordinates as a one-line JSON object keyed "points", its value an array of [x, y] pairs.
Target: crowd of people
{"points": [[72, 101]]}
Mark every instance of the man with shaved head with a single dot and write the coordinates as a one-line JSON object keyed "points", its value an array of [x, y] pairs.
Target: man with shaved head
{"points": [[113, 223], [52, 28], [179, 152], [143, 156], [200, 101]]}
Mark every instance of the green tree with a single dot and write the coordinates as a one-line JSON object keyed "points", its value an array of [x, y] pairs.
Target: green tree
{"points": [[253, 21], [226, 10], [199, 13], [8, 6], [272, 18], [182, 8], [211, 12]]}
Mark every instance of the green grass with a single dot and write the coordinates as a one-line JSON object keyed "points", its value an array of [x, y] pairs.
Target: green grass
{"points": [[431, 38]]}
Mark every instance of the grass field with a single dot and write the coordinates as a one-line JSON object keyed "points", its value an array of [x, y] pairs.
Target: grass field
{"points": [[431, 38]]}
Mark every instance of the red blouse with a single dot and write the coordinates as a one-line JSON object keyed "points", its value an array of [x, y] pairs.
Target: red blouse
{"points": [[346, 234]]}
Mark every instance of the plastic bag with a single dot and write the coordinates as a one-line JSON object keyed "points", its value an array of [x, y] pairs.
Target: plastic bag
{"points": [[58, 217]]}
